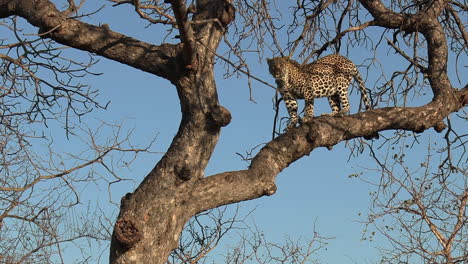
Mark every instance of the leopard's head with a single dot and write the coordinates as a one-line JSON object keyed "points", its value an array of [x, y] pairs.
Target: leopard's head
{"points": [[277, 65]]}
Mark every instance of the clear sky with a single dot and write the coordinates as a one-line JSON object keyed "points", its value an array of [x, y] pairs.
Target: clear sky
{"points": [[315, 189]]}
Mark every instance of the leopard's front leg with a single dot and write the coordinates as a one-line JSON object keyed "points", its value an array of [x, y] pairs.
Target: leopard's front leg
{"points": [[291, 106]]}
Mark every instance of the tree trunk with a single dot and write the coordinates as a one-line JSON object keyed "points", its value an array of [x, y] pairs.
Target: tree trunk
{"points": [[152, 218]]}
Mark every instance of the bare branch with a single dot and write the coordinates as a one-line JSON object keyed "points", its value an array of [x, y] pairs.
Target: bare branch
{"points": [[309, 21], [408, 58], [146, 10], [338, 37], [459, 23]]}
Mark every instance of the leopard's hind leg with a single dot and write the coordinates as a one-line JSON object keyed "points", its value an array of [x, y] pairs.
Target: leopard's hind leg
{"points": [[334, 102]]}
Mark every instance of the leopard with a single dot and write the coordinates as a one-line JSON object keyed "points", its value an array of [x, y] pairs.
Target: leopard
{"points": [[329, 77]]}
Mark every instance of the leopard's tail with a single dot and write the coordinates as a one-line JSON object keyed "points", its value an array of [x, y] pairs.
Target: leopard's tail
{"points": [[362, 87]]}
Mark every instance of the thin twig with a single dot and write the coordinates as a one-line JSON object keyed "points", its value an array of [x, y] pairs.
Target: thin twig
{"points": [[459, 23], [307, 24], [237, 67], [408, 58], [339, 36]]}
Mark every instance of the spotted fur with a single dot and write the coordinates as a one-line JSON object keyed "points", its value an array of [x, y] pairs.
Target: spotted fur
{"points": [[329, 77]]}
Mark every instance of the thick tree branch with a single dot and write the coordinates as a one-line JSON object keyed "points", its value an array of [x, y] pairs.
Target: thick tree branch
{"points": [[425, 21], [159, 60], [404, 21], [259, 179]]}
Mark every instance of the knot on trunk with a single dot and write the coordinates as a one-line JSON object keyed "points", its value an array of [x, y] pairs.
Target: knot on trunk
{"points": [[126, 233], [220, 116], [183, 172]]}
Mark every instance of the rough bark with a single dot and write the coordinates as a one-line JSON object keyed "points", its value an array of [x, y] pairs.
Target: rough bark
{"points": [[152, 217]]}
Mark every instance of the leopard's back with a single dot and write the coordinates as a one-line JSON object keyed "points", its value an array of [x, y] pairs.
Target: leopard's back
{"points": [[332, 64], [301, 82]]}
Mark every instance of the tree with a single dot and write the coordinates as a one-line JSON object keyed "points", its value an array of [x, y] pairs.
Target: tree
{"points": [[152, 217], [203, 233], [41, 181], [422, 210]]}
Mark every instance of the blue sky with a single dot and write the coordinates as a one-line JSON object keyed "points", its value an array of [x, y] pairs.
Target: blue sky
{"points": [[315, 189]]}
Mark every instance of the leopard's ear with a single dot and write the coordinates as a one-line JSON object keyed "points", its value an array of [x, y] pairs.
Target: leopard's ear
{"points": [[268, 59]]}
